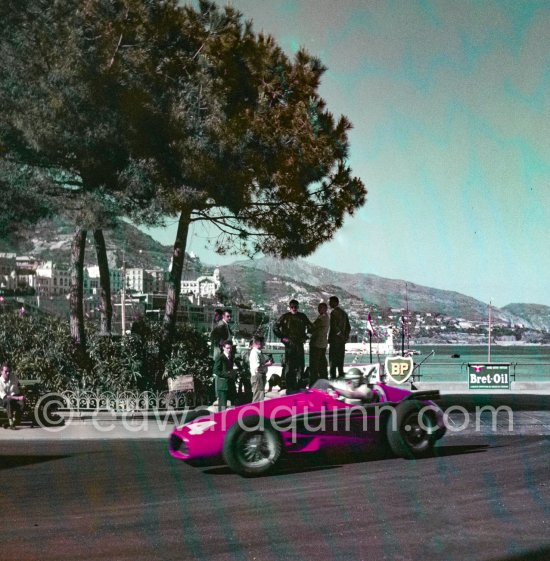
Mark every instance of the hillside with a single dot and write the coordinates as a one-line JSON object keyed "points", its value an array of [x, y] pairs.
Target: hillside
{"points": [[371, 289], [255, 286], [267, 281], [51, 240], [535, 315]]}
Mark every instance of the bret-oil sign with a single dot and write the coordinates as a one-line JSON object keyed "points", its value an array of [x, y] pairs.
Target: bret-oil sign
{"points": [[489, 376]]}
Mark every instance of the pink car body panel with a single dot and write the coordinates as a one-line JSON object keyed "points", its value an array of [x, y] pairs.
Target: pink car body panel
{"points": [[204, 437]]}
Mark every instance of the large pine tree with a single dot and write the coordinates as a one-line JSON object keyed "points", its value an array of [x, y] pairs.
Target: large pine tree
{"points": [[151, 109]]}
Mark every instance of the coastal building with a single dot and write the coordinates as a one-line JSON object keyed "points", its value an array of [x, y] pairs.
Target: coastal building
{"points": [[51, 280], [203, 287], [8, 271], [26, 272], [91, 279], [143, 280]]}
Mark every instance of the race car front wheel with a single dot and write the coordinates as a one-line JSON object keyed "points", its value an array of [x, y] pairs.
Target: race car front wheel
{"points": [[193, 414], [411, 431], [252, 446]]}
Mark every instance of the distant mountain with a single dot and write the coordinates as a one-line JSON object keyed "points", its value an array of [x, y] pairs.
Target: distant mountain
{"points": [[267, 281], [535, 315], [248, 285], [371, 289]]}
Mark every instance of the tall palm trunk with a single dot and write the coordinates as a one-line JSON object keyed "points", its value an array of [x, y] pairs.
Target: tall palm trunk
{"points": [[76, 296], [174, 283], [105, 304]]}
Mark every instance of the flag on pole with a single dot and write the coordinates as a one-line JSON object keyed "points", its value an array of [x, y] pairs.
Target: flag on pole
{"points": [[370, 327]]}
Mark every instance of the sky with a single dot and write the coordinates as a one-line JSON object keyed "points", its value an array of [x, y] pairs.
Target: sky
{"points": [[450, 103]]}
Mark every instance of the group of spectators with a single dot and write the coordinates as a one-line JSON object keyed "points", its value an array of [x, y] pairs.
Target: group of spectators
{"points": [[234, 375], [245, 375], [329, 329]]}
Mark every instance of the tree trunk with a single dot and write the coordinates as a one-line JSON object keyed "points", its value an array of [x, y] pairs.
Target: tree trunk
{"points": [[105, 304], [76, 297], [174, 283]]}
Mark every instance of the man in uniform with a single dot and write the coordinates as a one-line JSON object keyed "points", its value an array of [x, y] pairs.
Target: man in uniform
{"points": [[292, 328]]}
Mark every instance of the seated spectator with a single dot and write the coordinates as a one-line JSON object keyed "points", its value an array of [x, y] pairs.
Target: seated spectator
{"points": [[11, 397]]}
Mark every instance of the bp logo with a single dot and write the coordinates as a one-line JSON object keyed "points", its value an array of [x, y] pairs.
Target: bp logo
{"points": [[399, 368]]}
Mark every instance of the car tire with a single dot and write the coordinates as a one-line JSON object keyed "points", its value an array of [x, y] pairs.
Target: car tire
{"points": [[412, 435], [252, 446]]}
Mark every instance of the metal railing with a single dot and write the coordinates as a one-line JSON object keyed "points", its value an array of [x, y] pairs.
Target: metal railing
{"points": [[446, 371], [123, 402]]}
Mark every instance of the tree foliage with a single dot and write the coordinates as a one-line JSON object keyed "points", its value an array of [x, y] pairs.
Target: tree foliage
{"points": [[41, 348], [69, 115], [255, 151], [20, 202], [149, 108]]}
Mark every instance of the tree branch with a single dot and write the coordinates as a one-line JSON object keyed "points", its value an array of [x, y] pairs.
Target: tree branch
{"points": [[119, 42]]}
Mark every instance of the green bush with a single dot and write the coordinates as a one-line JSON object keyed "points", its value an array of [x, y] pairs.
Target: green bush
{"points": [[41, 348], [190, 355]]}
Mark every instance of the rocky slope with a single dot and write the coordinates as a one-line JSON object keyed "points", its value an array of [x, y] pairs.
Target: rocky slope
{"points": [[536, 316], [265, 281], [51, 240], [253, 278]]}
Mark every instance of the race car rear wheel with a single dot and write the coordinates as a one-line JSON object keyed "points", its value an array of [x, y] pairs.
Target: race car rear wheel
{"points": [[412, 433], [252, 446]]}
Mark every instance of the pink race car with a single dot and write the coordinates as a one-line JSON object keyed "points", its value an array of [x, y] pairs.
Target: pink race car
{"points": [[251, 438]]}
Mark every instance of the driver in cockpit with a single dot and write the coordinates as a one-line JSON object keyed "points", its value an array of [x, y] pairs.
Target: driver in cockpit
{"points": [[356, 387]]}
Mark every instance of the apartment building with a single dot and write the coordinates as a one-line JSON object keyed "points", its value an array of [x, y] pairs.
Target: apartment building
{"points": [[145, 280], [51, 279], [91, 279], [8, 271], [204, 286]]}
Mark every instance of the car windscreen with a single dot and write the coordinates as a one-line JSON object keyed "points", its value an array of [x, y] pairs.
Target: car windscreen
{"points": [[321, 384]]}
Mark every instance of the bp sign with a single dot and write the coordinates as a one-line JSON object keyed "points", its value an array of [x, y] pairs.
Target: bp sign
{"points": [[399, 368], [489, 376]]}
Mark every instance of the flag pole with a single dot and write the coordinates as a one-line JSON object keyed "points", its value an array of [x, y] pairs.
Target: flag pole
{"points": [[370, 329], [370, 346], [490, 326]]}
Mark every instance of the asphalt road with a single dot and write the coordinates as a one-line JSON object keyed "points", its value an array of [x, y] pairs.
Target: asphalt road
{"points": [[477, 498]]}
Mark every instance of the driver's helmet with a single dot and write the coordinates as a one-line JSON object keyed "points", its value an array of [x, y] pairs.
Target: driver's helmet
{"points": [[354, 376]]}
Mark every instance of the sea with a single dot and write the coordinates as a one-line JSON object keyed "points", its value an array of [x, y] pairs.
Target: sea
{"points": [[449, 363]]}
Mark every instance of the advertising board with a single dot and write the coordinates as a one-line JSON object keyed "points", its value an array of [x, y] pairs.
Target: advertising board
{"points": [[489, 376]]}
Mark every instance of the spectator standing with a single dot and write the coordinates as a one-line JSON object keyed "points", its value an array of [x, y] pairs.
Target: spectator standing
{"points": [[221, 332], [223, 374], [245, 385], [214, 340], [318, 345], [292, 328], [338, 335], [11, 397], [258, 368]]}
